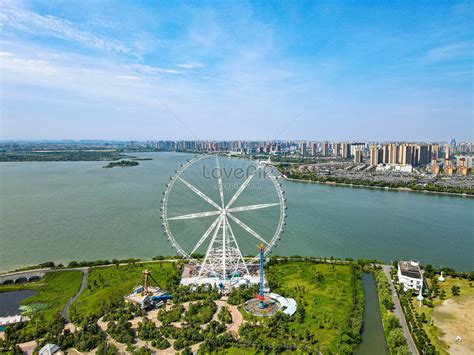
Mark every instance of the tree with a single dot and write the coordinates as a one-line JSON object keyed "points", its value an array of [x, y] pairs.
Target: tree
{"points": [[392, 322], [106, 349], [423, 317], [456, 290]]}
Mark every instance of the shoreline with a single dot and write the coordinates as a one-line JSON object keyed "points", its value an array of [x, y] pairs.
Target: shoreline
{"points": [[396, 189]]}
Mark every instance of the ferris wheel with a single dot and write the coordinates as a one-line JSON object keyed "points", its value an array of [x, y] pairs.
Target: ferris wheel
{"points": [[217, 208]]}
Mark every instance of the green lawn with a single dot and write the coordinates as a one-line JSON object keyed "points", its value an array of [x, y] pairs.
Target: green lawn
{"points": [[325, 291], [111, 283], [54, 290]]}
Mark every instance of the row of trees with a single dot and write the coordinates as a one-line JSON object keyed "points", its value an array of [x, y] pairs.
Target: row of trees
{"points": [[396, 341], [415, 324], [350, 335]]}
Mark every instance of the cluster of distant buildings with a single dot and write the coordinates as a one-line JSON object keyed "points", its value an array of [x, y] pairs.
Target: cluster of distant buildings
{"points": [[401, 156], [392, 155]]}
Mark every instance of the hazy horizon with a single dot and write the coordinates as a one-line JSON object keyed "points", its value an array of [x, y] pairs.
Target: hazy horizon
{"points": [[236, 71]]}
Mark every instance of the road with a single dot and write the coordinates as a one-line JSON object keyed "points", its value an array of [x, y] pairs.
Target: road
{"points": [[399, 312], [65, 309]]}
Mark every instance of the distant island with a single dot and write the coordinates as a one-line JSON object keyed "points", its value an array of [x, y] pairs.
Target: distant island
{"points": [[65, 155], [61, 155], [121, 164]]}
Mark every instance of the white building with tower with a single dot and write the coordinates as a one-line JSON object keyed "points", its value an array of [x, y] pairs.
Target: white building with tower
{"points": [[410, 275]]}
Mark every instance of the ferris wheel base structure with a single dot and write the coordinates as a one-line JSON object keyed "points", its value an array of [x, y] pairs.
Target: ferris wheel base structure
{"points": [[190, 277], [213, 281]]}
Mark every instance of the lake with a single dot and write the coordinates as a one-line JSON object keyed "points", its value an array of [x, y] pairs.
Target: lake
{"points": [[62, 211], [10, 301]]}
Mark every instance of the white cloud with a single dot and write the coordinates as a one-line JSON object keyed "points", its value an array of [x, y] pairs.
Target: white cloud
{"points": [[192, 65], [451, 51], [22, 19], [147, 69], [127, 77]]}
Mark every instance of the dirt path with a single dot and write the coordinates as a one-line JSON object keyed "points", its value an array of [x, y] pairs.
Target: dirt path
{"points": [[28, 347], [237, 318], [65, 309]]}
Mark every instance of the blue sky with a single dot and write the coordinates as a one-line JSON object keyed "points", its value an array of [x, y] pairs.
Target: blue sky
{"points": [[237, 70]]}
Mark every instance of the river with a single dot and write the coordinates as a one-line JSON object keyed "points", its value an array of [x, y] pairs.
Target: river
{"points": [[373, 337], [62, 211]]}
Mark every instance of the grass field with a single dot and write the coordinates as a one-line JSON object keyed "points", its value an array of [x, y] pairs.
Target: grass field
{"points": [[111, 283], [452, 322], [54, 290], [325, 290]]}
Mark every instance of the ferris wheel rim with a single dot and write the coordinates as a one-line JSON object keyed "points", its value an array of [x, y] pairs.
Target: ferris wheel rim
{"points": [[176, 177]]}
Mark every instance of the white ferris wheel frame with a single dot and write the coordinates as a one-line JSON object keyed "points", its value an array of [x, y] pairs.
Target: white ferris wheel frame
{"points": [[223, 255]]}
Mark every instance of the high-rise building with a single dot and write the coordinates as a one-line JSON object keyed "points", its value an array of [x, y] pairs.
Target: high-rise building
{"points": [[462, 166], [447, 152], [423, 154], [375, 155], [358, 156], [346, 150], [324, 149], [385, 154], [468, 160], [405, 156], [448, 166], [314, 149], [355, 146], [392, 154], [434, 165], [336, 149], [303, 149]]}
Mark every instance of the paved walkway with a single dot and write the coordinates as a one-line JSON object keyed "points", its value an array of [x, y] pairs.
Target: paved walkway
{"points": [[83, 286], [399, 312]]}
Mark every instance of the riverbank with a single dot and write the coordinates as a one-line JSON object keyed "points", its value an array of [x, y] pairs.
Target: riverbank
{"points": [[399, 189]]}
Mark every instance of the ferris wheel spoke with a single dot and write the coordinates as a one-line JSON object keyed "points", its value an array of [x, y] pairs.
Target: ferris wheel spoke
{"points": [[247, 228], [252, 207], [219, 182], [199, 193], [206, 234], [242, 188], [195, 215]]}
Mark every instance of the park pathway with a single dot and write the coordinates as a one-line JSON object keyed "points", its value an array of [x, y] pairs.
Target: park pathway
{"points": [[399, 312], [65, 309]]}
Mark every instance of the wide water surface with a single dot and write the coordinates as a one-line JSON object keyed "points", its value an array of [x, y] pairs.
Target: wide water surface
{"points": [[62, 211]]}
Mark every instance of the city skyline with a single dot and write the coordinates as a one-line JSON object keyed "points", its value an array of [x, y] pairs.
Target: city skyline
{"points": [[248, 71]]}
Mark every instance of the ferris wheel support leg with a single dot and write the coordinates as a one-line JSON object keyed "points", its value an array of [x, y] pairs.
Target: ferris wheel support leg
{"points": [[231, 233], [209, 249]]}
